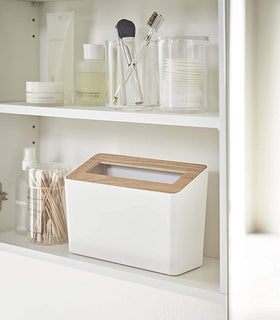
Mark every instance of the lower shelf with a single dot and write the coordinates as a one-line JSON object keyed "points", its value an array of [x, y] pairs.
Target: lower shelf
{"points": [[202, 283]]}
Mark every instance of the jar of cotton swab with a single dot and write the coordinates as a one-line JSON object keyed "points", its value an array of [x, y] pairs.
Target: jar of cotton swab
{"points": [[46, 209]]}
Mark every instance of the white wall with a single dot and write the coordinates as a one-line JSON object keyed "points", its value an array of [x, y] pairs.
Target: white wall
{"points": [[19, 53], [267, 130], [254, 159], [251, 37], [263, 115]]}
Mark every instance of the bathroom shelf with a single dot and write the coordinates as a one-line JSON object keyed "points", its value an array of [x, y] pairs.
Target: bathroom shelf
{"points": [[153, 116], [202, 283]]}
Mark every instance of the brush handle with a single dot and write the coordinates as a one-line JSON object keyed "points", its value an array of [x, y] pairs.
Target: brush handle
{"points": [[122, 84], [127, 45], [131, 69]]}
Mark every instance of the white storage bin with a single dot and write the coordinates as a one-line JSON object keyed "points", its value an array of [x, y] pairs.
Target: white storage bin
{"points": [[140, 212]]}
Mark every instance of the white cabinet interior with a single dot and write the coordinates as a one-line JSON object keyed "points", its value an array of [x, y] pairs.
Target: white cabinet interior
{"points": [[72, 135]]}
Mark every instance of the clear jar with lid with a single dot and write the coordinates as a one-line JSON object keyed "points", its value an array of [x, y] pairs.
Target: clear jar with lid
{"points": [[90, 77], [183, 64]]}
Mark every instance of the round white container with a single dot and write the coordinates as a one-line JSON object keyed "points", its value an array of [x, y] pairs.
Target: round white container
{"points": [[45, 93]]}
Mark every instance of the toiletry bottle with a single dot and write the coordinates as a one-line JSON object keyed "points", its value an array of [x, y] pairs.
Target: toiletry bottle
{"points": [[90, 77], [21, 192]]}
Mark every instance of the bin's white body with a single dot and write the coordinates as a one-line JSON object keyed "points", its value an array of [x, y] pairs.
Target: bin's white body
{"points": [[158, 231]]}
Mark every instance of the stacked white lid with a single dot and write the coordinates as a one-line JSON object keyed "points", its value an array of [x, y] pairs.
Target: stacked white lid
{"points": [[47, 93], [44, 87]]}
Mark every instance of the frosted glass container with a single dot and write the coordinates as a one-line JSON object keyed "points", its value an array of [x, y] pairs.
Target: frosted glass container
{"points": [[147, 69], [183, 69]]}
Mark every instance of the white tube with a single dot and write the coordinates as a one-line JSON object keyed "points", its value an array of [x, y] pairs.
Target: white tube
{"points": [[60, 35]]}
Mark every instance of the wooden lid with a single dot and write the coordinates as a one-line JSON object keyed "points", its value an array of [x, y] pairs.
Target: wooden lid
{"points": [[189, 172]]}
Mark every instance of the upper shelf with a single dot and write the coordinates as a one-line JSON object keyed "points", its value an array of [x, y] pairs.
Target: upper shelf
{"points": [[153, 116], [45, 0]]}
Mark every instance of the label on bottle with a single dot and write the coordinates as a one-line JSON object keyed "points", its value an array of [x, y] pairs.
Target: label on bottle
{"points": [[90, 88], [88, 95]]}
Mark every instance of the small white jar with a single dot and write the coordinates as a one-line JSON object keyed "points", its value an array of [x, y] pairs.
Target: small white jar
{"points": [[45, 93]]}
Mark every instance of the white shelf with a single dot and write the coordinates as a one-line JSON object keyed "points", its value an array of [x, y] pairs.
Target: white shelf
{"points": [[202, 283], [153, 116]]}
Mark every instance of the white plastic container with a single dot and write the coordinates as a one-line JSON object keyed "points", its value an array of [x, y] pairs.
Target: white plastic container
{"points": [[139, 212], [21, 203], [45, 93]]}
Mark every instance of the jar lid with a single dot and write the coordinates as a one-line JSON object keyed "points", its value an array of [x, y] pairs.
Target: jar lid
{"points": [[93, 51], [44, 87]]}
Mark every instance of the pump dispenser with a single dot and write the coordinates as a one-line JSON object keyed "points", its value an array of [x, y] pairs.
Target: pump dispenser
{"points": [[29, 160], [90, 77]]}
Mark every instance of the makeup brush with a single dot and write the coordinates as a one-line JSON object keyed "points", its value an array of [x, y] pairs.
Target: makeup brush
{"points": [[122, 73], [126, 28], [155, 21], [126, 31], [126, 34]]}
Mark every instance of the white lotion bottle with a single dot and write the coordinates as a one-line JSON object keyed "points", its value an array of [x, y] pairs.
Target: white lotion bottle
{"points": [[91, 77], [21, 203]]}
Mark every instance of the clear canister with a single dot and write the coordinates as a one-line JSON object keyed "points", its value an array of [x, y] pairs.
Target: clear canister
{"points": [[183, 69], [142, 86], [46, 204]]}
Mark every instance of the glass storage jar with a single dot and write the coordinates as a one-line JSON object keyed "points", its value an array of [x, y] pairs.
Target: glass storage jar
{"points": [[146, 77], [183, 69]]}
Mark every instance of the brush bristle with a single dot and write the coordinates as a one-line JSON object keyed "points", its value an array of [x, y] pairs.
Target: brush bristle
{"points": [[126, 28], [152, 19]]}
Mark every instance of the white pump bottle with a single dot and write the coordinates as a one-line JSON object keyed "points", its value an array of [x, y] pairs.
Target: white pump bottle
{"points": [[21, 203]]}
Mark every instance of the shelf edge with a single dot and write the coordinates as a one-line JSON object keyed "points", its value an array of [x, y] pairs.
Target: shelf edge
{"points": [[196, 292], [183, 120]]}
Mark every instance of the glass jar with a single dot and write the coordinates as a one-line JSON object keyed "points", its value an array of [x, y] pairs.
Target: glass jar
{"points": [[46, 209], [145, 76], [183, 69]]}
